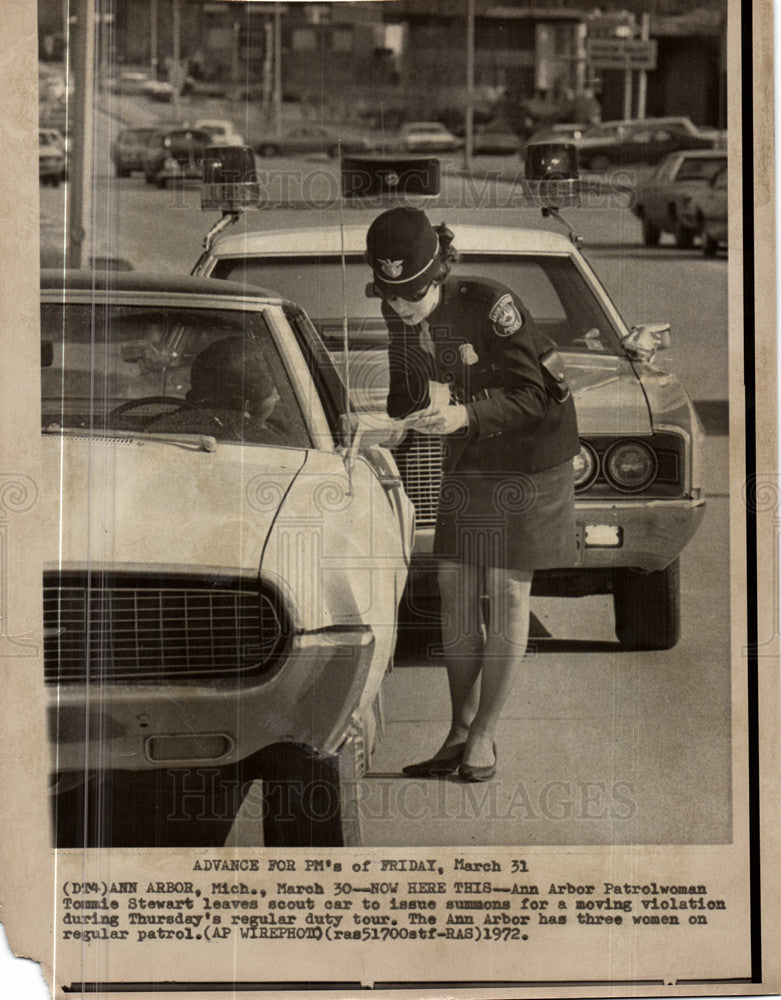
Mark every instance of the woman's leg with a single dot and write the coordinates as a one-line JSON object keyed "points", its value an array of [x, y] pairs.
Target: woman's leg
{"points": [[462, 643], [504, 649]]}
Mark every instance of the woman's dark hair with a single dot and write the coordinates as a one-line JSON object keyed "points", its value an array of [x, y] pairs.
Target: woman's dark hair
{"points": [[447, 254]]}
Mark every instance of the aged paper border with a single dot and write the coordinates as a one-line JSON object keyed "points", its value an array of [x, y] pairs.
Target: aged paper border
{"points": [[29, 871]]}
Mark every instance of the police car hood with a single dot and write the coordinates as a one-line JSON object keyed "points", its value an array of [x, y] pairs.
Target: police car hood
{"points": [[138, 503], [609, 396]]}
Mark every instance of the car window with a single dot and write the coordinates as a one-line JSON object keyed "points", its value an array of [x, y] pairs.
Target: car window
{"points": [[699, 168], [129, 368], [552, 288]]}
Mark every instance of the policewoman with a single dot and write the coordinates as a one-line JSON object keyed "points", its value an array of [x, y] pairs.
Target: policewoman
{"points": [[467, 363]]}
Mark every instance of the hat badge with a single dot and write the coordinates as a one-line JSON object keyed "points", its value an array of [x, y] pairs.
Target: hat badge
{"points": [[391, 268]]}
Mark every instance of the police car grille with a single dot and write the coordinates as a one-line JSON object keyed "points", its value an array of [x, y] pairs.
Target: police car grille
{"points": [[420, 464], [120, 630]]}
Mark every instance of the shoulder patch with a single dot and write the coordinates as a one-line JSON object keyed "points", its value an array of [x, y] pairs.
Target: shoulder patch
{"points": [[505, 316]]}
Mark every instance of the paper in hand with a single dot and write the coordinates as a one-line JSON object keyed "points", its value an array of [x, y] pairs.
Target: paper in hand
{"points": [[439, 397]]}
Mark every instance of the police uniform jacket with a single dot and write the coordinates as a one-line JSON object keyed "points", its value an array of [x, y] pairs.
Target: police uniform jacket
{"points": [[486, 347]]}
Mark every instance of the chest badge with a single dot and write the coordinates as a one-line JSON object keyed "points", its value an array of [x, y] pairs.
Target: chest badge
{"points": [[391, 268], [505, 316], [468, 354]]}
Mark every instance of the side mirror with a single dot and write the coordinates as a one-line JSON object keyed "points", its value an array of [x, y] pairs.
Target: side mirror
{"points": [[643, 341]]}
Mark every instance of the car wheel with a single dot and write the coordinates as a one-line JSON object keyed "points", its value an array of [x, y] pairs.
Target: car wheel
{"points": [[55, 182], [306, 800], [651, 233], [599, 163], [268, 150], [333, 151], [161, 182], [647, 607], [149, 178], [684, 237], [710, 246]]}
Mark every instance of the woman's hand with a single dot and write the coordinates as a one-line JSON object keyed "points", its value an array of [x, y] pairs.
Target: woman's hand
{"points": [[441, 419]]}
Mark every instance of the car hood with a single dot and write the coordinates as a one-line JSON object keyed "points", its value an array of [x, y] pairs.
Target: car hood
{"points": [[138, 503], [609, 398]]}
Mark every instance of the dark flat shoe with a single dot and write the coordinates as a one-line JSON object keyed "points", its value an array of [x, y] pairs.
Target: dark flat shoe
{"points": [[436, 766], [474, 772]]}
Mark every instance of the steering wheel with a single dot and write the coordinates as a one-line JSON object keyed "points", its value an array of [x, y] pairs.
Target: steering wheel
{"points": [[132, 404]]}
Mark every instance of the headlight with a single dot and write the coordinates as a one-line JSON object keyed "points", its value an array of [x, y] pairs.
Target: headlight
{"points": [[629, 466], [170, 163], [585, 466]]}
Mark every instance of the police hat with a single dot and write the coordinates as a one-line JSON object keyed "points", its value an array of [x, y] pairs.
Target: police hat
{"points": [[402, 248]]}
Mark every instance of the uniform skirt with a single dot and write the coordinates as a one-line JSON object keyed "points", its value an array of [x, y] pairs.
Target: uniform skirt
{"points": [[508, 520]]}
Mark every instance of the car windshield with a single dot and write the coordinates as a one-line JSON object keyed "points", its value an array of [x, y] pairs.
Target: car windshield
{"points": [[553, 289], [700, 168], [160, 370]]}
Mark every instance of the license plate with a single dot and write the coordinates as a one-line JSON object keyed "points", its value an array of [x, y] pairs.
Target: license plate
{"points": [[603, 536]]}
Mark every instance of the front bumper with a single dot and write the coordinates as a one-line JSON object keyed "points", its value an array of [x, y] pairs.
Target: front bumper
{"points": [[636, 534], [308, 700]]}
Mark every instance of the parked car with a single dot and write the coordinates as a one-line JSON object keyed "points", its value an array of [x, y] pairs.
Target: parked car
{"points": [[495, 139], [158, 90], [131, 146], [708, 213], [222, 575], [308, 137], [642, 141], [639, 472], [663, 204], [129, 81], [221, 130], [52, 166], [175, 155], [427, 137]]}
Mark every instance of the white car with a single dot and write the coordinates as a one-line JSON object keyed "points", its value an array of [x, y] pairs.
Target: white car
{"points": [[427, 137], [222, 575], [221, 130], [639, 478]]}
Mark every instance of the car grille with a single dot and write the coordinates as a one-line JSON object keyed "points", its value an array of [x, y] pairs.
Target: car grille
{"points": [[419, 460], [120, 629]]}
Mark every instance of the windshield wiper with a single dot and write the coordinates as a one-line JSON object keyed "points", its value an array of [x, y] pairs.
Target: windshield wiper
{"points": [[203, 442]]}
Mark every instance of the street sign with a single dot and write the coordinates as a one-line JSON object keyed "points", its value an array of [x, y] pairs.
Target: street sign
{"points": [[621, 53]]}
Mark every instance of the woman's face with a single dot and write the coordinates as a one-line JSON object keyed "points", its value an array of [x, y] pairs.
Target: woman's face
{"points": [[415, 312]]}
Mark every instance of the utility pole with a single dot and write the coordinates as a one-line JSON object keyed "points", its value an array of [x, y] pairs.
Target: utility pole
{"points": [[176, 57], [642, 79], [78, 206], [470, 84], [277, 67], [153, 42]]}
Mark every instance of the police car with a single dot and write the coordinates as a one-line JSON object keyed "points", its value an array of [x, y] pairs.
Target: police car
{"points": [[224, 565], [639, 479]]}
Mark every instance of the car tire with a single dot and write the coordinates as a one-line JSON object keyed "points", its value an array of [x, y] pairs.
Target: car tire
{"points": [[149, 178], [647, 607], [684, 237], [333, 152], [307, 801], [710, 246], [161, 182], [599, 163], [651, 233], [268, 150]]}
